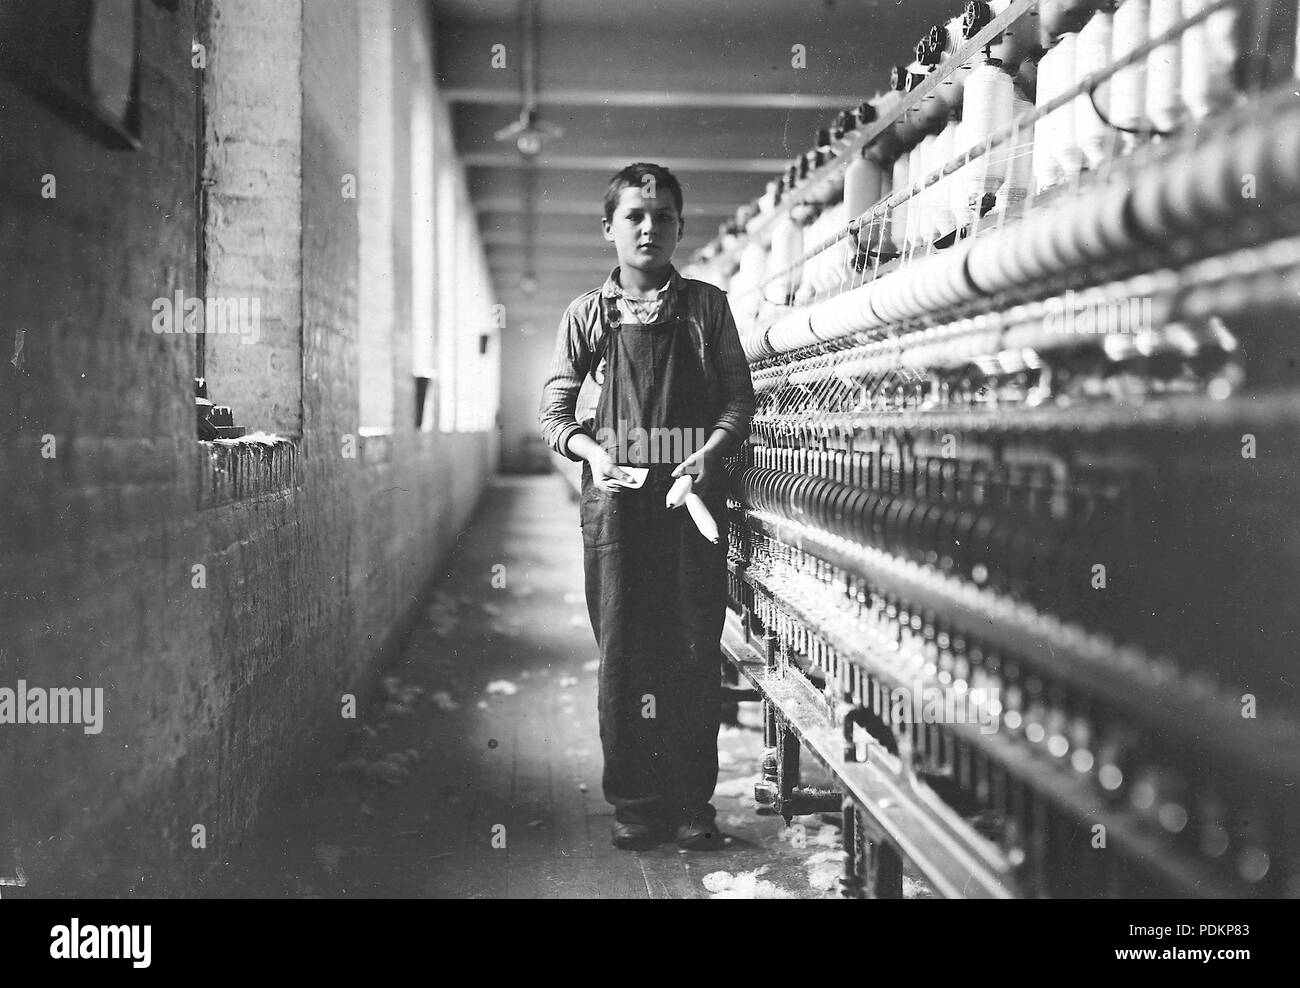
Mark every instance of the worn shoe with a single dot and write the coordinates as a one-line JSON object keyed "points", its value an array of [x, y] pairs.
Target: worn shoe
{"points": [[698, 836], [633, 836]]}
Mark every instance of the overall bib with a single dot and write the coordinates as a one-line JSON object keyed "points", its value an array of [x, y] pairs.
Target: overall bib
{"points": [[656, 588]]}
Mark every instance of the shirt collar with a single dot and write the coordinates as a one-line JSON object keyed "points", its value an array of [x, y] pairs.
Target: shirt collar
{"points": [[612, 289]]}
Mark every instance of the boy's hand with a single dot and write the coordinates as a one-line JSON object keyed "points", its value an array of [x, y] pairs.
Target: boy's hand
{"points": [[604, 471], [703, 465]]}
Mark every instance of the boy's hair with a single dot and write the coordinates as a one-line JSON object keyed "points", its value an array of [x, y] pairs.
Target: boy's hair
{"points": [[634, 176]]}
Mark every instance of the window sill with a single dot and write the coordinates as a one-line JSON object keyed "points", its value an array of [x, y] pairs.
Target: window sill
{"points": [[253, 467]]}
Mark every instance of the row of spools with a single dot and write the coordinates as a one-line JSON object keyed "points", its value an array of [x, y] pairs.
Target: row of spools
{"points": [[1038, 58], [1026, 556]]}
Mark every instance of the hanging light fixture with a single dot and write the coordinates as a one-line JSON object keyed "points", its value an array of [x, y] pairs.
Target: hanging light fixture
{"points": [[529, 133]]}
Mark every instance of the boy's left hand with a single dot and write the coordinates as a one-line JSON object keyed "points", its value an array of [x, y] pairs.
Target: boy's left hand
{"points": [[703, 465]]}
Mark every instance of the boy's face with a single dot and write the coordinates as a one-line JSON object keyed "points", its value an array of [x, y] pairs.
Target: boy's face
{"points": [[645, 228]]}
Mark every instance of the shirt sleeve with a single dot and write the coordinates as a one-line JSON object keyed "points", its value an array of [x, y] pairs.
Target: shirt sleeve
{"points": [[734, 383], [570, 363]]}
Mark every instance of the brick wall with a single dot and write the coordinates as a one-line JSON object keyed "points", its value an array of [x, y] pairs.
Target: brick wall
{"points": [[214, 696]]}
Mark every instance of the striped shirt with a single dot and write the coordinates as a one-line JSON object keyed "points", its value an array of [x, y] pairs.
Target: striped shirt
{"points": [[572, 390]]}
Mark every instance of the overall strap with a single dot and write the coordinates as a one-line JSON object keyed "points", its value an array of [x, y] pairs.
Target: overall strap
{"points": [[610, 320]]}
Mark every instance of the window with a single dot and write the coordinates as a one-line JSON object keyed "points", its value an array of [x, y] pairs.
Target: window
{"points": [[423, 259], [248, 290], [448, 257], [376, 185], [477, 367]]}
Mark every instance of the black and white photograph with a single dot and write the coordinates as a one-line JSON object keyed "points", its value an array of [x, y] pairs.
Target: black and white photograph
{"points": [[650, 449]]}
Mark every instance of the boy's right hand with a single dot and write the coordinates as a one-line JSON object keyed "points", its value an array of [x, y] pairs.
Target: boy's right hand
{"points": [[608, 474]]}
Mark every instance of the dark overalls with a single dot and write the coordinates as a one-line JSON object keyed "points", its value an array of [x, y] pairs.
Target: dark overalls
{"points": [[656, 588]]}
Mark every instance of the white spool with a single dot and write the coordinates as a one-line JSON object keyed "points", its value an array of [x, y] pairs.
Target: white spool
{"points": [[815, 281], [898, 217], [848, 312], [1164, 67], [956, 183], [830, 263], [941, 154], [787, 247], [1128, 87], [916, 212], [987, 107], [1092, 53], [1209, 52], [1019, 154], [1065, 145], [753, 264], [1046, 170], [878, 236], [700, 515], [810, 283], [679, 490], [864, 182]]}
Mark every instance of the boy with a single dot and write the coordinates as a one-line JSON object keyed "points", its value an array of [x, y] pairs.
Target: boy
{"points": [[665, 355]]}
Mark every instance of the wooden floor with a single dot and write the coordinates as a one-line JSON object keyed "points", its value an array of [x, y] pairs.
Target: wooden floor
{"points": [[495, 696]]}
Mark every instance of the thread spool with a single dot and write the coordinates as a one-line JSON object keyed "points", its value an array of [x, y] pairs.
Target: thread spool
{"points": [[814, 277], [954, 35], [1128, 87], [1064, 144], [1164, 105], [916, 205], [1103, 230], [832, 260], [988, 106], [1206, 192], [1019, 154], [1027, 76], [787, 247], [880, 236], [1092, 53], [849, 312], [1047, 171], [956, 183], [1051, 21], [753, 264], [1209, 54], [898, 216], [943, 220], [865, 184], [835, 265], [702, 518]]}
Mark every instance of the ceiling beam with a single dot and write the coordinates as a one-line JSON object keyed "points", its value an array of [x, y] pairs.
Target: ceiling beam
{"points": [[708, 186], [843, 54], [573, 207], [611, 163], [654, 98], [668, 132]]}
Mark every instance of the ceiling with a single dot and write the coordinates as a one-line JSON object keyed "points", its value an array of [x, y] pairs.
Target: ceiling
{"points": [[705, 87]]}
